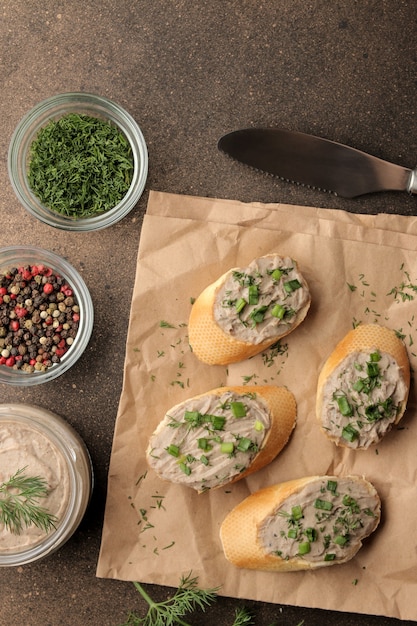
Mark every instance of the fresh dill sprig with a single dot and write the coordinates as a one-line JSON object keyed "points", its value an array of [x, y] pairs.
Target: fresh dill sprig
{"points": [[185, 600], [243, 617], [19, 506]]}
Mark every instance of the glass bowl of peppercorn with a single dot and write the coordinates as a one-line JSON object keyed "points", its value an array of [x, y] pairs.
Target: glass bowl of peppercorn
{"points": [[78, 162], [46, 316]]}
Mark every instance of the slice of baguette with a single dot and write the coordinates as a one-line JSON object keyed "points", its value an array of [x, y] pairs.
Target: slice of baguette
{"points": [[270, 426], [213, 345], [366, 339], [244, 532]]}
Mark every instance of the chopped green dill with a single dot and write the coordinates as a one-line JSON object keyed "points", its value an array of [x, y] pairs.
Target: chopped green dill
{"points": [[80, 165], [141, 478], [164, 324], [248, 379]]}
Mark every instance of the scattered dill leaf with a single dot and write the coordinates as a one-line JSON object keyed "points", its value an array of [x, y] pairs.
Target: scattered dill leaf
{"points": [[164, 324]]}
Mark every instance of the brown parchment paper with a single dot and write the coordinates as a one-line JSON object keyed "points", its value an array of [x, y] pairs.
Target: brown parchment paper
{"points": [[360, 269]]}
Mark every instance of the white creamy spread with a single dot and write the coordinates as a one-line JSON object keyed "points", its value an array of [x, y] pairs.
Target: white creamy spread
{"points": [[24, 447], [361, 398], [325, 521], [202, 443], [261, 301]]}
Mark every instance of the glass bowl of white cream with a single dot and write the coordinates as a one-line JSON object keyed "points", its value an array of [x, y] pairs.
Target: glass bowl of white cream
{"points": [[38, 443]]}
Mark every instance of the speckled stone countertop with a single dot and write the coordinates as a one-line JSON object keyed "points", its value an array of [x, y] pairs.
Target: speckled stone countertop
{"points": [[188, 72]]}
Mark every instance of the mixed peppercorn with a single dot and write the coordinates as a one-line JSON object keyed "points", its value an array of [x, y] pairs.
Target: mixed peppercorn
{"points": [[39, 318]]}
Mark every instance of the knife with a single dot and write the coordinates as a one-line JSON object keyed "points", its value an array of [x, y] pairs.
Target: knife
{"points": [[316, 162]]}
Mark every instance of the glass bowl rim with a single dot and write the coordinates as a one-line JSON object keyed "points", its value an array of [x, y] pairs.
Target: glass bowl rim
{"points": [[52, 108], [10, 256], [79, 466]]}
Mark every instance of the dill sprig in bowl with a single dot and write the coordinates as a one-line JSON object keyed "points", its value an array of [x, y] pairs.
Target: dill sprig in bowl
{"points": [[78, 162], [46, 482]]}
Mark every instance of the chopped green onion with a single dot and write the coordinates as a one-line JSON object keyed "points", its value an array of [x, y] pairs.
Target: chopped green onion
{"points": [[204, 459], [358, 385], [311, 534], [244, 444], [240, 305], [217, 421], [191, 416], [373, 369], [350, 433], [278, 311], [203, 444], [258, 314], [324, 505], [292, 533], [304, 547], [375, 357], [253, 294], [185, 468], [341, 540], [296, 512], [332, 485], [292, 285], [238, 409], [173, 450], [259, 427], [276, 274], [329, 557], [227, 447], [344, 407]]}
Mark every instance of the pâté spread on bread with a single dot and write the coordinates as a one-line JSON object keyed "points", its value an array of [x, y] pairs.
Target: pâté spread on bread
{"points": [[301, 524], [221, 436], [363, 387], [248, 309]]}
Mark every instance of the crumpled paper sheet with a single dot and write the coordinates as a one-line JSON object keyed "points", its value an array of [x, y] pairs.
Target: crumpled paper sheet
{"points": [[360, 268]]}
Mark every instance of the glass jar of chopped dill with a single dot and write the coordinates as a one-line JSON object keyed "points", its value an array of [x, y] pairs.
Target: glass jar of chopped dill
{"points": [[78, 162], [80, 166]]}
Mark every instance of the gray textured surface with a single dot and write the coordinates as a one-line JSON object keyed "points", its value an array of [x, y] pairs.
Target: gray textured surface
{"points": [[188, 72]]}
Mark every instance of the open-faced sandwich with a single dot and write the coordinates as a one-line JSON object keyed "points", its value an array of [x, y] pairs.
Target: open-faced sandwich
{"points": [[247, 310], [221, 436], [301, 524], [363, 387]]}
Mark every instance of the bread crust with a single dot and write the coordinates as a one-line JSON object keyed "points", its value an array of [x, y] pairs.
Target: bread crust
{"points": [[239, 530], [283, 410], [363, 338], [211, 344]]}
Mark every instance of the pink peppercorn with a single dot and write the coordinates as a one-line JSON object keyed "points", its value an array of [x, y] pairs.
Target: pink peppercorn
{"points": [[48, 288], [20, 311], [10, 361], [26, 274]]}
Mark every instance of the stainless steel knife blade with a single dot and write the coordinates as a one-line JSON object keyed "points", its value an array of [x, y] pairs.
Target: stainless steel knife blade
{"points": [[316, 162]]}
